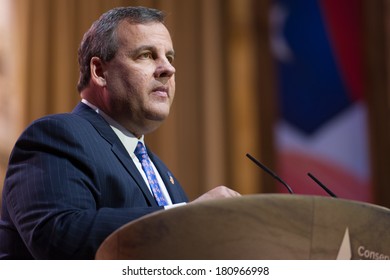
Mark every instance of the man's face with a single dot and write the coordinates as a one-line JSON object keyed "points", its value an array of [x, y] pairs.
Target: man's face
{"points": [[140, 82]]}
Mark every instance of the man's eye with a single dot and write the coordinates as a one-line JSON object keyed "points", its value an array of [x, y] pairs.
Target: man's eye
{"points": [[170, 58], [147, 55]]}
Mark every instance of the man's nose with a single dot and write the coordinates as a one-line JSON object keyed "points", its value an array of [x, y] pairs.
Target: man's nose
{"points": [[164, 69]]}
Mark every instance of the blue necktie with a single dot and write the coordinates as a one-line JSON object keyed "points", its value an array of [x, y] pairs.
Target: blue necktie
{"points": [[143, 157]]}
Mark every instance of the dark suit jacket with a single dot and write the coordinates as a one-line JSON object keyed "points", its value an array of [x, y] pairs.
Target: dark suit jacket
{"points": [[69, 184]]}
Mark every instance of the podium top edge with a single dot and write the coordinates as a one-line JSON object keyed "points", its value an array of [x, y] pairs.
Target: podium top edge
{"points": [[291, 197]]}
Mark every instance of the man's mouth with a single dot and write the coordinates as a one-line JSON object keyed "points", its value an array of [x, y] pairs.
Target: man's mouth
{"points": [[161, 91]]}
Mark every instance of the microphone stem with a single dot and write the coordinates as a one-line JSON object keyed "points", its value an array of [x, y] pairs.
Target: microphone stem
{"points": [[270, 172], [322, 185]]}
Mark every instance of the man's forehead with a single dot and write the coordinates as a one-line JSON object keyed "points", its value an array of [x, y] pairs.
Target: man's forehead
{"points": [[146, 30]]}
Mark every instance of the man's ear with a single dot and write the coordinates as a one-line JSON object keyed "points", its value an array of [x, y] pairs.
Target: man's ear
{"points": [[97, 71]]}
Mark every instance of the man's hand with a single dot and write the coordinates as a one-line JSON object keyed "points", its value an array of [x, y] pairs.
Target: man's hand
{"points": [[217, 193]]}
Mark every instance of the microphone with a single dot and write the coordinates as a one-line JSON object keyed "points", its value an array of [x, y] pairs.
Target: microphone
{"points": [[322, 185], [258, 163], [270, 172]]}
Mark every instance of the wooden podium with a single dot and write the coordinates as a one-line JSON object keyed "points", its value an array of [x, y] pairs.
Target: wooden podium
{"points": [[264, 226]]}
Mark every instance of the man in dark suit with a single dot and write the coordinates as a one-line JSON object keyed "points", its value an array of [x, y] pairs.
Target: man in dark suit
{"points": [[75, 178]]}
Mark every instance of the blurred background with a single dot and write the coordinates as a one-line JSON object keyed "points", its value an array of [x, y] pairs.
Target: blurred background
{"points": [[302, 85]]}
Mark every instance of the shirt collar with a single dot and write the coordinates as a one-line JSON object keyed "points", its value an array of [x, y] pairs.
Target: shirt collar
{"points": [[125, 136]]}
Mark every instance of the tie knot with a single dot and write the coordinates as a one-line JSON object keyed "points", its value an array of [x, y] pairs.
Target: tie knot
{"points": [[140, 151]]}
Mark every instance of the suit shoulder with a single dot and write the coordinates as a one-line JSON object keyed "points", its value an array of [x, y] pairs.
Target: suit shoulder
{"points": [[63, 117], [63, 120], [63, 127]]}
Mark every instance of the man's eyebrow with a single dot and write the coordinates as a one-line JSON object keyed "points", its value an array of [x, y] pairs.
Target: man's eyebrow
{"points": [[149, 48], [140, 49]]}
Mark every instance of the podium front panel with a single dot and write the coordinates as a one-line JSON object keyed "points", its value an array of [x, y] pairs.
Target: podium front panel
{"points": [[264, 226]]}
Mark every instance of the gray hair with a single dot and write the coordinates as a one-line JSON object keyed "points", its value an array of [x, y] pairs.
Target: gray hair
{"points": [[100, 40]]}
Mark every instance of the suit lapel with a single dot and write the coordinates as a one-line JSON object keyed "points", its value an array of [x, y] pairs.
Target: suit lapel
{"points": [[117, 147]]}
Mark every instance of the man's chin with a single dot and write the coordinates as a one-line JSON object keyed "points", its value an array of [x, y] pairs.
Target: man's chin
{"points": [[159, 115]]}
